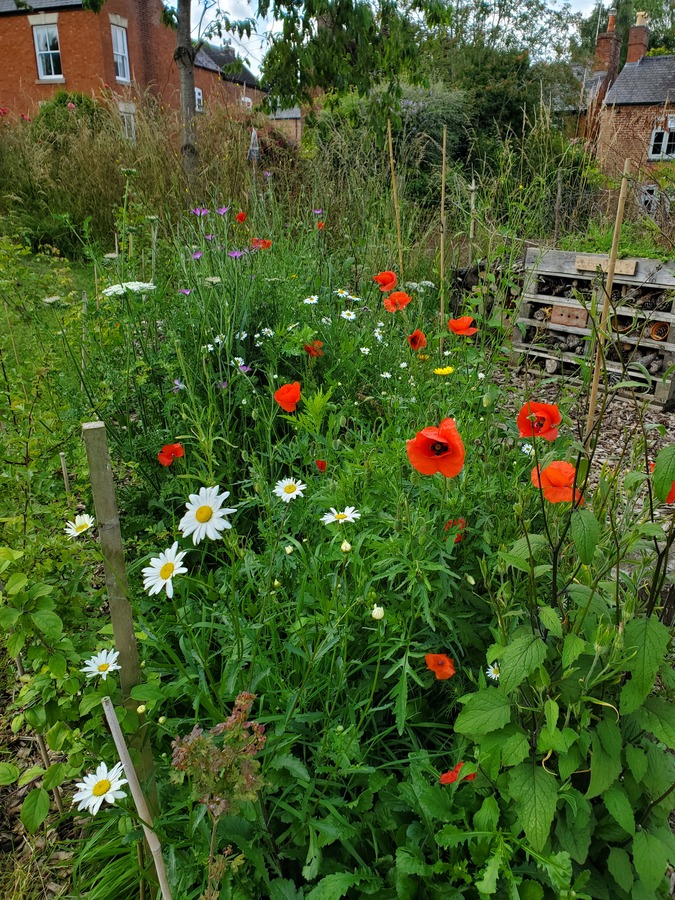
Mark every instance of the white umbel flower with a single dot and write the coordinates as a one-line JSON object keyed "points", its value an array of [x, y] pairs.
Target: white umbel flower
{"points": [[205, 516], [100, 786], [102, 664], [349, 515], [136, 287], [288, 489], [79, 526], [492, 672], [163, 569]]}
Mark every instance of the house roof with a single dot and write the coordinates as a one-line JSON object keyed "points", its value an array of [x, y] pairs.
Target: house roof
{"points": [[651, 80], [291, 113], [227, 60], [9, 6]]}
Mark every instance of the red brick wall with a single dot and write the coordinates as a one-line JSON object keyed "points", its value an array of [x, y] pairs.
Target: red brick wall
{"points": [[625, 133]]}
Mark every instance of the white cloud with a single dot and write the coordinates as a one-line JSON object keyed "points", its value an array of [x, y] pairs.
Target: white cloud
{"points": [[251, 49]]}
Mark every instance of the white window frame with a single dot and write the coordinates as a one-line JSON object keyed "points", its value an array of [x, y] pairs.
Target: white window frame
{"points": [[667, 135], [199, 100], [127, 113], [50, 54], [121, 54]]}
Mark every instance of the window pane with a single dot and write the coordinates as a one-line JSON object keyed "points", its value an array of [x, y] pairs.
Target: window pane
{"points": [[47, 51], [670, 146], [657, 143]]}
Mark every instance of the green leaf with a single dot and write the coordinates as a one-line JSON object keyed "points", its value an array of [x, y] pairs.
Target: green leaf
{"points": [[9, 617], [658, 716], [585, 532], [516, 562], [8, 773], [650, 858], [484, 712], [531, 890], [605, 766], [91, 701], [293, 765], [333, 887], [648, 639], [515, 749], [487, 817], [54, 776], [535, 794], [519, 660], [30, 774], [664, 473], [16, 582], [550, 620], [35, 809], [636, 761], [620, 868], [15, 642], [619, 808], [48, 623], [574, 833], [488, 883], [284, 889], [58, 665], [573, 647]]}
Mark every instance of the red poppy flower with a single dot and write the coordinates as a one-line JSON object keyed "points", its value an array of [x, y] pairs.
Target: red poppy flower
{"points": [[288, 396], [417, 340], [462, 326], [460, 524], [240, 217], [441, 665], [557, 481], [321, 225], [539, 420], [314, 349], [169, 452], [397, 300], [321, 465], [260, 243], [452, 776], [4, 110], [437, 450], [386, 280]]}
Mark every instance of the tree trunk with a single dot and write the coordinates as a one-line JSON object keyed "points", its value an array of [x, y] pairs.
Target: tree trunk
{"points": [[185, 57]]}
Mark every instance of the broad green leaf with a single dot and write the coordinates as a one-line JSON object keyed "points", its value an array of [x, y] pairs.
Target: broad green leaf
{"points": [[35, 809], [530, 890], [91, 701], [647, 639], [9, 617], [535, 793], [487, 885], [585, 532], [8, 773], [533, 545], [333, 887], [15, 583], [650, 858], [652, 529], [58, 665], [558, 867], [515, 749], [54, 776], [619, 808], [605, 766], [658, 716], [573, 647], [284, 889], [569, 762], [551, 712], [487, 817], [48, 623], [519, 660], [410, 864], [636, 761], [484, 712], [15, 642], [550, 620], [574, 833], [516, 562], [30, 774], [293, 765], [664, 473], [620, 868]]}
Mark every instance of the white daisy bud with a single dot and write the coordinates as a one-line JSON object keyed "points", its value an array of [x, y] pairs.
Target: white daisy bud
{"points": [[141, 709], [345, 546], [377, 612], [289, 549]]}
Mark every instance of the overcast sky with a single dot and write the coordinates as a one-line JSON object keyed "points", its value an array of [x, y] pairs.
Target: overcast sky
{"points": [[254, 47]]}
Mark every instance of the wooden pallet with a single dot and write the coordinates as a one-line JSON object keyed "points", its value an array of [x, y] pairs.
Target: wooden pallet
{"points": [[563, 295]]}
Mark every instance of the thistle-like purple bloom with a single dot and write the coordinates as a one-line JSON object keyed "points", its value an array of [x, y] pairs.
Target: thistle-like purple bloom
{"points": [[235, 254], [197, 254], [185, 291], [208, 237], [178, 385], [222, 385], [317, 212], [200, 211], [245, 369], [222, 210], [267, 174]]}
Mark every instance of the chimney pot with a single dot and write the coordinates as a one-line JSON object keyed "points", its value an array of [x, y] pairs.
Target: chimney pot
{"points": [[641, 19], [638, 39], [612, 20]]}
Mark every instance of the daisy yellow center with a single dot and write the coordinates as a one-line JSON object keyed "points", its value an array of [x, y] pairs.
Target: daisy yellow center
{"points": [[101, 787], [166, 571], [340, 516], [204, 514], [495, 670], [81, 527], [103, 667], [290, 489]]}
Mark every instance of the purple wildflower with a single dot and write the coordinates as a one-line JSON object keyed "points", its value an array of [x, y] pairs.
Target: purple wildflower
{"points": [[197, 254], [178, 385], [317, 212], [200, 211], [245, 369], [208, 237], [267, 174], [235, 254], [185, 291], [222, 210], [222, 385]]}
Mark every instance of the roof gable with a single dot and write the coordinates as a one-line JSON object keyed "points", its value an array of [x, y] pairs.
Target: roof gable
{"points": [[651, 80], [31, 6]]}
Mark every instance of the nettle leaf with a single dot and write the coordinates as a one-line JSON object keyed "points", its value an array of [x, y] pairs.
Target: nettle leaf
{"points": [[535, 793], [291, 764], [648, 639], [515, 749], [487, 817], [484, 712], [664, 472], [620, 868], [585, 532], [650, 858], [658, 716], [35, 809], [605, 758], [620, 808], [573, 830], [636, 761], [519, 660], [550, 620], [573, 647]]}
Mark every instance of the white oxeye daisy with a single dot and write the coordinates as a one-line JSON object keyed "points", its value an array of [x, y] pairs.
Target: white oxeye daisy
{"points": [[219, 339], [241, 335], [341, 292], [349, 515], [527, 449], [267, 332], [103, 785], [365, 350], [348, 314], [288, 489], [493, 672], [354, 299], [377, 612], [385, 375], [237, 361], [79, 526], [205, 516], [378, 335], [311, 301], [326, 320], [102, 663], [291, 327], [162, 569]]}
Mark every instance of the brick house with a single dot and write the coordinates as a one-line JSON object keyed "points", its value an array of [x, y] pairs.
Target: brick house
{"points": [[126, 47], [594, 82]]}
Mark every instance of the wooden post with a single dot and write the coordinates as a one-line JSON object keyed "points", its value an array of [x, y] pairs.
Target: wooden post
{"points": [[609, 284], [396, 210], [558, 205], [137, 794], [472, 217], [442, 262], [108, 523]]}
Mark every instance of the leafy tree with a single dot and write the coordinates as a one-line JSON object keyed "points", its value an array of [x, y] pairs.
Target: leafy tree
{"points": [[661, 20]]}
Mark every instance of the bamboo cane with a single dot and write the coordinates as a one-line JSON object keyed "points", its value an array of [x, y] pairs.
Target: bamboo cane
{"points": [[396, 209], [138, 797], [64, 473], [442, 262], [609, 284], [472, 218]]}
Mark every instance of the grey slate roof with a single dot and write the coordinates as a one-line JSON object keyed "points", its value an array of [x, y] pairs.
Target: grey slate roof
{"points": [[9, 6], [649, 81], [203, 61], [225, 57]]}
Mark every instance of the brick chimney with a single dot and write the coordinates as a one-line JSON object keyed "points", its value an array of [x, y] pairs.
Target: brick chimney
{"points": [[638, 39], [607, 49]]}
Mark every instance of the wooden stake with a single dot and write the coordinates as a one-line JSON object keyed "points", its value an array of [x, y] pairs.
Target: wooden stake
{"points": [[64, 473], [396, 210], [558, 205], [442, 263], [472, 218], [108, 523], [137, 794], [608, 285]]}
